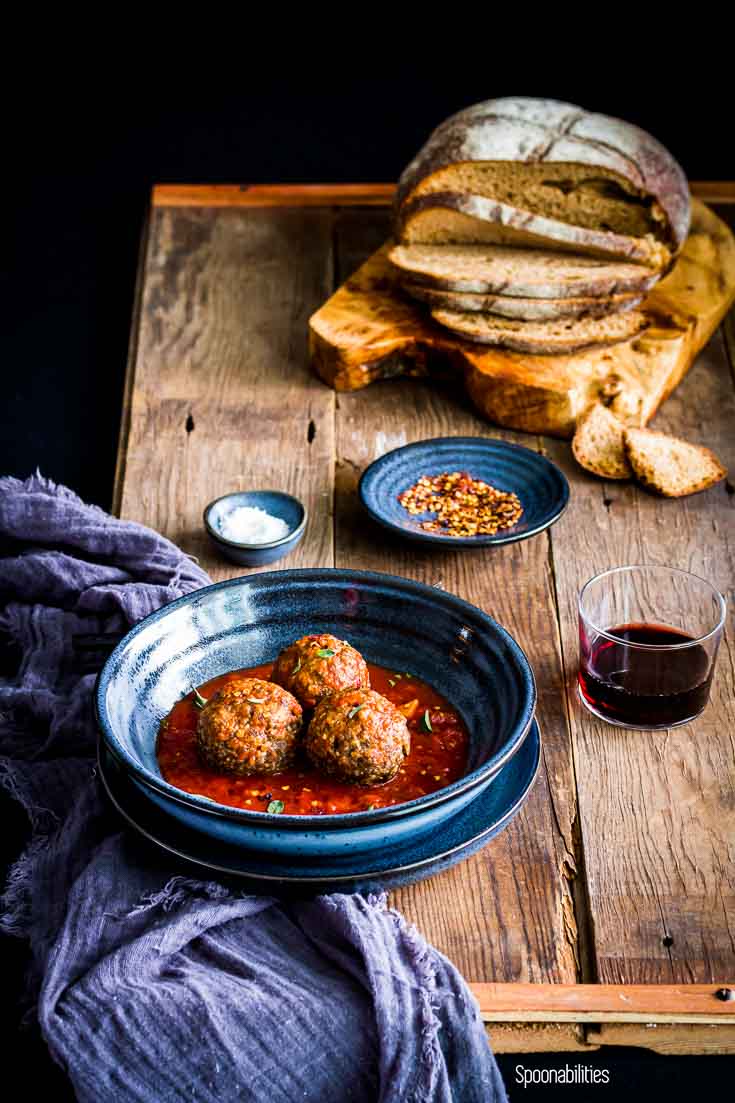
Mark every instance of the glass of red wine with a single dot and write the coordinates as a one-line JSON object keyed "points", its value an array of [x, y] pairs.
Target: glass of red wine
{"points": [[648, 639]]}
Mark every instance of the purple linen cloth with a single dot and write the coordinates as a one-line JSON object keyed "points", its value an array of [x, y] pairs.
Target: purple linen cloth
{"points": [[155, 987]]}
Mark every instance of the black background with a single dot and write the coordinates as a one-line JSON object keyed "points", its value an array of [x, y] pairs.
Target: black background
{"points": [[87, 151], [87, 136]]}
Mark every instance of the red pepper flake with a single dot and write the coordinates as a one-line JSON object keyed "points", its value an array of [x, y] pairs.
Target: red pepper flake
{"points": [[463, 506]]}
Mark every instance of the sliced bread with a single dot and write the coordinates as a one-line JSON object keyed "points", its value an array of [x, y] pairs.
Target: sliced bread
{"points": [[598, 444], [457, 218], [542, 337], [527, 273], [670, 466], [528, 310], [555, 160]]}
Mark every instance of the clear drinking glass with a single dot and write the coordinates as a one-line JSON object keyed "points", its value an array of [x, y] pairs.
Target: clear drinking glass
{"points": [[648, 639]]}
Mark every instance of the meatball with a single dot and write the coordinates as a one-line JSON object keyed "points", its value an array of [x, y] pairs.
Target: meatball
{"points": [[315, 666], [249, 727], [358, 736]]}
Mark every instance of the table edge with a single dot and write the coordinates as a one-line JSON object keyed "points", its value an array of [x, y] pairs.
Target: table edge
{"points": [[612, 1003], [336, 195]]}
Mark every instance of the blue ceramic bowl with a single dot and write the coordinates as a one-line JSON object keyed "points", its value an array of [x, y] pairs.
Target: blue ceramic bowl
{"points": [[542, 488], [284, 842], [398, 623], [275, 502], [373, 871]]}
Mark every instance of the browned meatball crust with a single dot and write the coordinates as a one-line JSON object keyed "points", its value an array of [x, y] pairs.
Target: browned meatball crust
{"points": [[249, 727], [315, 666], [358, 736]]}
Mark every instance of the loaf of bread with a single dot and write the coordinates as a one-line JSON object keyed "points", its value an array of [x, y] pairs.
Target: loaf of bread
{"points": [[513, 306], [370, 330], [546, 171], [542, 338], [527, 273]]}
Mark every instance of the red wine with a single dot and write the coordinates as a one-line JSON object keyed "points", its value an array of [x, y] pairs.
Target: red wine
{"points": [[648, 689]]}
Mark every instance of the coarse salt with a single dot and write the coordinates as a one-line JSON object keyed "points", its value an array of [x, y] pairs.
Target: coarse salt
{"points": [[251, 525]]}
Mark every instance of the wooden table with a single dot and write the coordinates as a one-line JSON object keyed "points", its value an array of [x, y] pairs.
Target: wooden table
{"points": [[605, 913]]}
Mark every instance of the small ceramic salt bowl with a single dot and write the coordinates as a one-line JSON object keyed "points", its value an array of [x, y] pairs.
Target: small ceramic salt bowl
{"points": [[274, 502]]}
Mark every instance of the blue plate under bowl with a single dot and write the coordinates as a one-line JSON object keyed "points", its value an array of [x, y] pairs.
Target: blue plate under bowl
{"points": [[275, 502], [540, 485], [404, 625], [458, 838]]}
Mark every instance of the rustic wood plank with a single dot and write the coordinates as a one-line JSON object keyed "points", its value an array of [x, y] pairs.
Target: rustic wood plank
{"points": [[507, 913], [538, 1038], [272, 195], [665, 1038], [657, 810], [222, 398], [728, 331], [214, 345], [726, 212], [361, 195], [714, 191], [356, 236], [598, 1003]]}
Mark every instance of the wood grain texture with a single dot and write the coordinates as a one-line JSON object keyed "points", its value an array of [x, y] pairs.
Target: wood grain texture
{"points": [[657, 810], [221, 400], [272, 195], [132, 358], [538, 1038], [356, 237], [370, 329], [507, 912], [665, 1038], [347, 195], [637, 1003]]}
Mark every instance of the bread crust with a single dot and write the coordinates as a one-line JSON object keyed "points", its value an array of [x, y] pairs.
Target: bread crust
{"points": [[531, 131]]}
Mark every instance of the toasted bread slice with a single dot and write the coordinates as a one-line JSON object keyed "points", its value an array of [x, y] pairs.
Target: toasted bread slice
{"points": [[543, 337], [598, 444], [670, 466]]}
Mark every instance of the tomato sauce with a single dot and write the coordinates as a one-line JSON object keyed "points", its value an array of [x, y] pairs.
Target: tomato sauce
{"points": [[437, 757]]}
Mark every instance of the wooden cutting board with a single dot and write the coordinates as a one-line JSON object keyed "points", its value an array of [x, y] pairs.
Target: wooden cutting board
{"points": [[369, 329]]}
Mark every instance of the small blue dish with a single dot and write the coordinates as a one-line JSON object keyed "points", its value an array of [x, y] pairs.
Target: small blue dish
{"points": [[246, 621], [540, 485], [463, 835], [275, 502]]}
